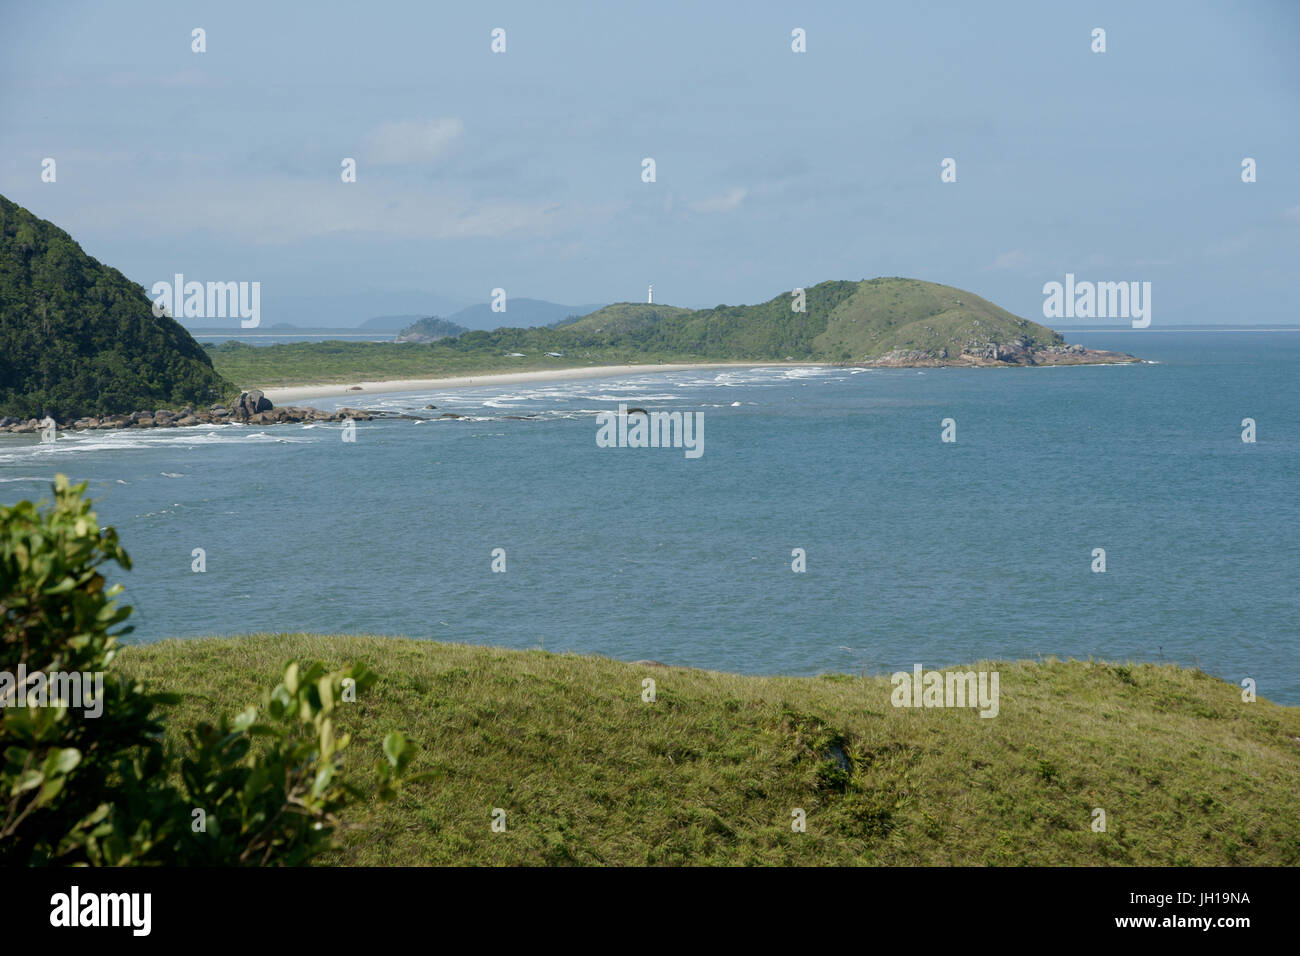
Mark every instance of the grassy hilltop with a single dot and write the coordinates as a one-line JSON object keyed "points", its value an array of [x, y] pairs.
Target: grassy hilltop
{"points": [[710, 772]]}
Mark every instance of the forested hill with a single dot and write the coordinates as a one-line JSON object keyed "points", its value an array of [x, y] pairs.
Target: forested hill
{"points": [[79, 338], [836, 321]]}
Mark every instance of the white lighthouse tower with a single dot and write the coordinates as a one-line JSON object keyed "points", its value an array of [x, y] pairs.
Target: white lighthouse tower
{"points": [[650, 295]]}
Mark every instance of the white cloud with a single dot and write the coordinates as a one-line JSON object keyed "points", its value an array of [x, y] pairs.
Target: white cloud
{"points": [[1015, 259], [411, 141], [727, 203], [288, 211]]}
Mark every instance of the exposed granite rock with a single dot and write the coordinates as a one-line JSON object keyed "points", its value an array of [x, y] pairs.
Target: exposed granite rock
{"points": [[996, 354], [239, 413]]}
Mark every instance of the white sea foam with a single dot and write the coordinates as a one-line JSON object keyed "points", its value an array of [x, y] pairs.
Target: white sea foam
{"points": [[137, 439]]}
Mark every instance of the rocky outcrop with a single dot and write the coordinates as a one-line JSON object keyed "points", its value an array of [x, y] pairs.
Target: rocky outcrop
{"points": [[251, 403], [996, 354], [241, 412]]}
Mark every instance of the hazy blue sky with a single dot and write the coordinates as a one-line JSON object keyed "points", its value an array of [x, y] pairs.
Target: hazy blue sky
{"points": [[522, 170]]}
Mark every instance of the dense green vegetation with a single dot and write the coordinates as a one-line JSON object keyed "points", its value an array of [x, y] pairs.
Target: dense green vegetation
{"points": [[85, 777], [841, 322], [79, 338], [619, 318], [709, 773]]}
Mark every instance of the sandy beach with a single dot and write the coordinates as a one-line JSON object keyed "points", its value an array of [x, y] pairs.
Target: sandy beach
{"points": [[297, 393]]}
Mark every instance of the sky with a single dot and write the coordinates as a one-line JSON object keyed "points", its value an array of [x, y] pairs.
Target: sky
{"points": [[774, 169]]}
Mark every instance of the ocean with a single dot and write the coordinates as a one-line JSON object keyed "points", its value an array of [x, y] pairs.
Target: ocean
{"points": [[916, 550]]}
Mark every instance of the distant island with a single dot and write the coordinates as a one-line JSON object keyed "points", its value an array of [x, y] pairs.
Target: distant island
{"points": [[79, 339]]}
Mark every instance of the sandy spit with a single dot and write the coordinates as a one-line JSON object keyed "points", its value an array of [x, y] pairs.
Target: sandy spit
{"points": [[296, 393]]}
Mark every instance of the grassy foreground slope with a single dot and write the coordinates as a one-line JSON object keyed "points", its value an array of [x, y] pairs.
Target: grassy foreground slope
{"points": [[709, 773]]}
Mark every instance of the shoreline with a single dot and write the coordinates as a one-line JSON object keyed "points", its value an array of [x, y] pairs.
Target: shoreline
{"points": [[295, 393], [274, 405], [898, 359]]}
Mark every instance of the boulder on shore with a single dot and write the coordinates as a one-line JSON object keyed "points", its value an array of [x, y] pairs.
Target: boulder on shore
{"points": [[251, 403]]}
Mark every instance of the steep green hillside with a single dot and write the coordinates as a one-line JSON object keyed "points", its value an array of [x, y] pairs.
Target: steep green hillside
{"points": [[770, 330], [79, 338], [711, 771]]}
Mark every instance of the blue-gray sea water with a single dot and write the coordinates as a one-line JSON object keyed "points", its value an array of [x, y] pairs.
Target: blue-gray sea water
{"points": [[918, 551]]}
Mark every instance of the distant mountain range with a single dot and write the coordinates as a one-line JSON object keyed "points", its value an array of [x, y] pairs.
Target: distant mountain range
{"points": [[520, 313]]}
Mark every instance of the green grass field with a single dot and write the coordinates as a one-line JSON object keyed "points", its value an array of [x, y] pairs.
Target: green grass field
{"points": [[710, 772], [345, 363]]}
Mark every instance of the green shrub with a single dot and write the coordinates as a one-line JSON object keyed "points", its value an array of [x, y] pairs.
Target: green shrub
{"points": [[87, 779]]}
